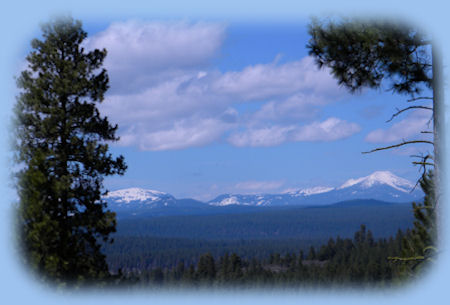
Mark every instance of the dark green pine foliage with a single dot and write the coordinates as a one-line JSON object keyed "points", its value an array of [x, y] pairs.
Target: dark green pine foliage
{"points": [[419, 247], [368, 53], [225, 269], [311, 253], [206, 268], [361, 261], [363, 53], [236, 267], [62, 156]]}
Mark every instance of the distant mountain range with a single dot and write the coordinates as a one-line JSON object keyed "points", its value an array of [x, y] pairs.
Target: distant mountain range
{"points": [[380, 186]]}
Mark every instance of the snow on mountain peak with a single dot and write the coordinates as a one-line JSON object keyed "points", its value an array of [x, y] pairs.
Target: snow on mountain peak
{"points": [[135, 194], [228, 201], [310, 191], [380, 177]]}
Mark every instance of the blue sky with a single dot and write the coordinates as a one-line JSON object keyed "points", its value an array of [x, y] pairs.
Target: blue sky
{"points": [[210, 107]]}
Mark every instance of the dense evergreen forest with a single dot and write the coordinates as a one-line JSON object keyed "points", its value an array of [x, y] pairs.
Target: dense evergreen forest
{"points": [[341, 261], [298, 246], [383, 218], [144, 243]]}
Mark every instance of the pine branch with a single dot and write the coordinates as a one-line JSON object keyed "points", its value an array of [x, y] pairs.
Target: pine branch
{"points": [[406, 259], [399, 111], [431, 248], [398, 145], [422, 207]]}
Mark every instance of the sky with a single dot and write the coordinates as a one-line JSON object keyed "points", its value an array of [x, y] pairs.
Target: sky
{"points": [[210, 107]]}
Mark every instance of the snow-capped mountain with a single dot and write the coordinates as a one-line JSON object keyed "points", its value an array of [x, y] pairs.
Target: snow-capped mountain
{"points": [[381, 185], [250, 200], [380, 178], [310, 191], [142, 202], [137, 196]]}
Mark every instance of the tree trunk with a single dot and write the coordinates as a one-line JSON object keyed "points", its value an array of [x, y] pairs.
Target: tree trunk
{"points": [[438, 130]]}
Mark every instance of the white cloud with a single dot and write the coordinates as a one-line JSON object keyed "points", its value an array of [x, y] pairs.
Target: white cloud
{"points": [[264, 81], [181, 134], [294, 108], [140, 53], [412, 125], [162, 103], [331, 129], [267, 136]]}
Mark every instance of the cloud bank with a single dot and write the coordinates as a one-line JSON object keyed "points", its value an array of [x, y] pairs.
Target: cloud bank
{"points": [[166, 94], [331, 129]]}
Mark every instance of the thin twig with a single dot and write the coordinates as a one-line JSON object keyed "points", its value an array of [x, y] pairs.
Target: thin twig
{"points": [[407, 108], [397, 145], [423, 165], [419, 98], [421, 156]]}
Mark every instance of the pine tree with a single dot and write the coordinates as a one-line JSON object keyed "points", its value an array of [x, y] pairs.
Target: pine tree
{"points": [[236, 267], [206, 267], [62, 156], [419, 245], [371, 53], [179, 271], [311, 253], [225, 268]]}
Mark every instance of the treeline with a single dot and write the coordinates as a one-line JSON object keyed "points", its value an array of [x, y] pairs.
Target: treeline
{"points": [[340, 261]]}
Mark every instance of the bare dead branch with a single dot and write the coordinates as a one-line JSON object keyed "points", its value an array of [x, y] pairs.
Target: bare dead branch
{"points": [[419, 98], [398, 145], [421, 156], [407, 108], [423, 163]]}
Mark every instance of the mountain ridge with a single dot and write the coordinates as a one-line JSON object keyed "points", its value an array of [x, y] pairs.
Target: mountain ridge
{"points": [[380, 186]]}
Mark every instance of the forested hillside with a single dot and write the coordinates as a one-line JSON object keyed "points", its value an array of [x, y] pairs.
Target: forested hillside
{"points": [[147, 243], [359, 260]]}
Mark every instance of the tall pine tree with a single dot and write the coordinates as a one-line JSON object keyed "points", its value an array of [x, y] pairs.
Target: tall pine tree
{"points": [[62, 155]]}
